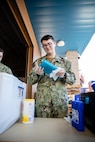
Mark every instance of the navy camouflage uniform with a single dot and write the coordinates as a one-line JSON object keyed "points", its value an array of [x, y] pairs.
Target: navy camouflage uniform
{"points": [[4, 68], [51, 99]]}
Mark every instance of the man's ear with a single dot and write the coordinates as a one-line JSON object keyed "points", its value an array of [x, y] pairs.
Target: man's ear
{"points": [[55, 43]]}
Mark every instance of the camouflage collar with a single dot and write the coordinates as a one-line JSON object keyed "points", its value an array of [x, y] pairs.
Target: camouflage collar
{"points": [[56, 59]]}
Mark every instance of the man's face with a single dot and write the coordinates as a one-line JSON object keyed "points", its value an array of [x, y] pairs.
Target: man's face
{"points": [[49, 46], [1, 56]]}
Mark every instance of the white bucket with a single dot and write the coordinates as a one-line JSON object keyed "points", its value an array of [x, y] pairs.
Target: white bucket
{"points": [[28, 111]]}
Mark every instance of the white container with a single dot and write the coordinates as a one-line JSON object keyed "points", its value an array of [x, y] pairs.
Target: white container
{"points": [[12, 92], [28, 111]]}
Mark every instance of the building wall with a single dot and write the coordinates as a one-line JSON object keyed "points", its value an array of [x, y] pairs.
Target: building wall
{"points": [[73, 57], [75, 88]]}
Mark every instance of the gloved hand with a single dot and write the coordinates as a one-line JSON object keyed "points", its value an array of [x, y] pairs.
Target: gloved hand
{"points": [[37, 69], [61, 72]]}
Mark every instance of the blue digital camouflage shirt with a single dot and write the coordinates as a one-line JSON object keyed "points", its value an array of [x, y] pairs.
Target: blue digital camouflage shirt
{"points": [[51, 96]]}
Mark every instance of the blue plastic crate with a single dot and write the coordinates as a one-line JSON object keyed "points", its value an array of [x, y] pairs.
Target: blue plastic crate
{"points": [[77, 97], [78, 115], [93, 85]]}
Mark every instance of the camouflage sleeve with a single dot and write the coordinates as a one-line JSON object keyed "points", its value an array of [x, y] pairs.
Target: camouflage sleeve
{"points": [[32, 78], [69, 75], [70, 78], [6, 69], [9, 71]]}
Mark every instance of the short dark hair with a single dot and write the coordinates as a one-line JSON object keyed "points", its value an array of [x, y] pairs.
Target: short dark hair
{"points": [[46, 37], [1, 50]]}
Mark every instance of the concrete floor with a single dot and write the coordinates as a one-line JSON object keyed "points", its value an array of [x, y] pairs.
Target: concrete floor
{"points": [[46, 130]]}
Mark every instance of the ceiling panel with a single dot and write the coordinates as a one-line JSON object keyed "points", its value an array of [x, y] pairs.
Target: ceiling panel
{"points": [[72, 21]]}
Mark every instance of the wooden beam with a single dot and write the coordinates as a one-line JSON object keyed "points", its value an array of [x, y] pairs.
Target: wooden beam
{"points": [[29, 67], [29, 55]]}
